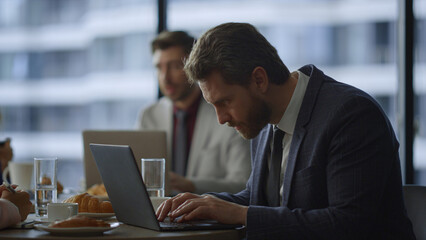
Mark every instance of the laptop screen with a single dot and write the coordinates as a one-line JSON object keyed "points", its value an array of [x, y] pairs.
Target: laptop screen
{"points": [[147, 144], [128, 195], [124, 184]]}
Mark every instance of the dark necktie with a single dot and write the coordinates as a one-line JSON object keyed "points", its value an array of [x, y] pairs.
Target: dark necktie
{"points": [[180, 151], [273, 186]]}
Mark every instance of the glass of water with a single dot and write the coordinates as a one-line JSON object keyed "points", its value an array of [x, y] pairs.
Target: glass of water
{"points": [[153, 173], [45, 180]]}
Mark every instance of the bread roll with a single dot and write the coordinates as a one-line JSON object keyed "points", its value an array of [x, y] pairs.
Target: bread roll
{"points": [[106, 207], [48, 181], [84, 206], [79, 221], [98, 190], [76, 198], [88, 203], [94, 205]]}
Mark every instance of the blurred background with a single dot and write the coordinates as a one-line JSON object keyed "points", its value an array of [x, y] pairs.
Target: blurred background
{"points": [[72, 65]]}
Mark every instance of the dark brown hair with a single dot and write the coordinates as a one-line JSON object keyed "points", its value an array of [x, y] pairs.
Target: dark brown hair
{"points": [[167, 39], [234, 49]]}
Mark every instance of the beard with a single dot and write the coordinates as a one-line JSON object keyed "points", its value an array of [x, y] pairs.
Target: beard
{"points": [[257, 118], [189, 88]]}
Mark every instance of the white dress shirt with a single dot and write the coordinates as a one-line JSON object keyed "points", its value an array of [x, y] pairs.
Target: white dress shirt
{"points": [[288, 122]]}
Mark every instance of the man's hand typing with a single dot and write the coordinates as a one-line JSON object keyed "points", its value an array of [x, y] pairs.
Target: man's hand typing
{"points": [[190, 207]]}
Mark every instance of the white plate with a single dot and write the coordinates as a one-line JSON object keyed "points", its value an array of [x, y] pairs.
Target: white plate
{"points": [[97, 215], [76, 231]]}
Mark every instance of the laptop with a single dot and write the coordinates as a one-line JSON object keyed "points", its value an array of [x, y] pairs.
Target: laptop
{"points": [[145, 144], [128, 195]]}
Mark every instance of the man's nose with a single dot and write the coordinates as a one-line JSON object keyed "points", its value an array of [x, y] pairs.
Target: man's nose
{"points": [[222, 116], [164, 75]]}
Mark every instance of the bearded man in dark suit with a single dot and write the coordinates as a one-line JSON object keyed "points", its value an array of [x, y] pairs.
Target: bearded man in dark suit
{"points": [[325, 161]]}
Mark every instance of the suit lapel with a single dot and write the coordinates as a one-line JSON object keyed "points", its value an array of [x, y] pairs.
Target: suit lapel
{"points": [[311, 93], [288, 176], [258, 196], [164, 121], [201, 130]]}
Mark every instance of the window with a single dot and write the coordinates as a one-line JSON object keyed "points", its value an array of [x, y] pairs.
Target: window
{"points": [[352, 41], [419, 80], [71, 65]]}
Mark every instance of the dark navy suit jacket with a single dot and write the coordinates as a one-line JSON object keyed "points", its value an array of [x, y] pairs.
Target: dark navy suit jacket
{"points": [[343, 178]]}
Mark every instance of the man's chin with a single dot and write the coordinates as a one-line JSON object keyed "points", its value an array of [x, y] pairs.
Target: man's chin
{"points": [[248, 134], [172, 97]]}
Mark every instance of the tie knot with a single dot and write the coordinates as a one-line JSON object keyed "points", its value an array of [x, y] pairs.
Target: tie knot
{"points": [[278, 133]]}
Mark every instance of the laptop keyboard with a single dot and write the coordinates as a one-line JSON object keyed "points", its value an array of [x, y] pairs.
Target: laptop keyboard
{"points": [[175, 225], [195, 225]]}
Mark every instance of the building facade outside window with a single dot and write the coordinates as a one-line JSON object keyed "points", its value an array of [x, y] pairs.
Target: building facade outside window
{"points": [[353, 41], [71, 65]]}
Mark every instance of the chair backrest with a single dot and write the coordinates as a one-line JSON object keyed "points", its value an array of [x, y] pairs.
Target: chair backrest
{"points": [[145, 144], [415, 203]]}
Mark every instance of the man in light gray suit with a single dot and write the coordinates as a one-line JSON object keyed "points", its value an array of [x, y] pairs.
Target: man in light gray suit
{"points": [[205, 155], [325, 161]]}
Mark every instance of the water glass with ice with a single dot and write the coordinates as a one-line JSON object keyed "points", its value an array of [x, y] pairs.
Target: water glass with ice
{"points": [[45, 179], [153, 173]]}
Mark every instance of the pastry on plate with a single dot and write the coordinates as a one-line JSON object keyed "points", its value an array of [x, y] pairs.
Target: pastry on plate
{"points": [[90, 204], [98, 190], [79, 221]]}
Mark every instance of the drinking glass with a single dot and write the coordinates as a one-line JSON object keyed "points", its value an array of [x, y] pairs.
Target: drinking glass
{"points": [[45, 179], [153, 173]]}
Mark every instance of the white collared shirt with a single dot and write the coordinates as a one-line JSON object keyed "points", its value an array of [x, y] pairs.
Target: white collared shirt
{"points": [[288, 122]]}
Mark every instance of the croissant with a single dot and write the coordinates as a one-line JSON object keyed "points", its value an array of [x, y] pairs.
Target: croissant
{"points": [[98, 190], [79, 221], [91, 204], [47, 181]]}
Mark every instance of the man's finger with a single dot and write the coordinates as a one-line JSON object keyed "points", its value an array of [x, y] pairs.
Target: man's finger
{"points": [[178, 200], [181, 206], [182, 219], [200, 212], [186, 207], [164, 210], [158, 211]]}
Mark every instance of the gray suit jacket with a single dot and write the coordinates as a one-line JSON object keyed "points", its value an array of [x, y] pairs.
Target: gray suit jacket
{"points": [[343, 178], [219, 159]]}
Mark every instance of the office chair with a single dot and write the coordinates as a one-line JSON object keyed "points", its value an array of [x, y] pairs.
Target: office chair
{"points": [[415, 203]]}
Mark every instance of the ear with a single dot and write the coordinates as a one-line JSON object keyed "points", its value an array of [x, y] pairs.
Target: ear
{"points": [[259, 79]]}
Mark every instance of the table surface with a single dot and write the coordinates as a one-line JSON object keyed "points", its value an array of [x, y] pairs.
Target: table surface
{"points": [[127, 232]]}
